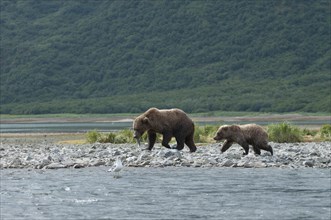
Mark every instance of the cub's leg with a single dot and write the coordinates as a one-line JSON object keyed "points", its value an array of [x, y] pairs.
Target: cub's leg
{"points": [[256, 150], [244, 145], [226, 145]]}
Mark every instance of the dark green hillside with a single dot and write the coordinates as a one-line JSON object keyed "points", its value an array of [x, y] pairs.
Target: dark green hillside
{"points": [[103, 56]]}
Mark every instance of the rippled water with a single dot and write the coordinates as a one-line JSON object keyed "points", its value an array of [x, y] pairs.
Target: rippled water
{"points": [[166, 193], [51, 127]]}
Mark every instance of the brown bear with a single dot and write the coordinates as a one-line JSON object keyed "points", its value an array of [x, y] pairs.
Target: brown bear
{"points": [[244, 135], [168, 122]]}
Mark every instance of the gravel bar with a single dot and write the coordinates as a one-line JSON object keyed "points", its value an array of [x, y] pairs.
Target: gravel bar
{"points": [[57, 156]]}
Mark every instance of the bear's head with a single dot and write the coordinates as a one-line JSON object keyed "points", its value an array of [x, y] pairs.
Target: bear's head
{"points": [[226, 131], [140, 125]]}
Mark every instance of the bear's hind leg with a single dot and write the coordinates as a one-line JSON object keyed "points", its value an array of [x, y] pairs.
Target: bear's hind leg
{"points": [[180, 144], [267, 147], [190, 143], [244, 145], [166, 139], [256, 150]]}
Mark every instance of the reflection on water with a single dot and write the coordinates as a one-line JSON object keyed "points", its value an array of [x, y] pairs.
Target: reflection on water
{"points": [[62, 127], [166, 193]]}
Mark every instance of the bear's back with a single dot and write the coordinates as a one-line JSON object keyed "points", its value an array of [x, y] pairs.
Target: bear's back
{"points": [[253, 132]]}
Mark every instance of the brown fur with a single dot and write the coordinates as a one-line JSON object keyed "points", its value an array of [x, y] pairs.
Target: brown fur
{"points": [[244, 135], [168, 122]]}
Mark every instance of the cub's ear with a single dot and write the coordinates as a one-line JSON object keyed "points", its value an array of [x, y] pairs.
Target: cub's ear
{"points": [[145, 120]]}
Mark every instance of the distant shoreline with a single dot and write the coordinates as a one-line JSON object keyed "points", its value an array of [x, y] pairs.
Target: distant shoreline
{"points": [[128, 118], [303, 121]]}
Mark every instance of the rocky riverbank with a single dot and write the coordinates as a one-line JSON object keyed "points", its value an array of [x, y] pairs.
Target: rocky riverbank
{"points": [[56, 156]]}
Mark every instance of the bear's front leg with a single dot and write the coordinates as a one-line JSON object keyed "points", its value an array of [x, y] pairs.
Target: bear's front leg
{"points": [[226, 145], [151, 139], [244, 145]]}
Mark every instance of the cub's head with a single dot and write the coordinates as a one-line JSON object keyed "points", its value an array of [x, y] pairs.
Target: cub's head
{"points": [[226, 131]]}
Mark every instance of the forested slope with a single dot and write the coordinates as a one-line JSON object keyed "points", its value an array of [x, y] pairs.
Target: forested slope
{"points": [[125, 56]]}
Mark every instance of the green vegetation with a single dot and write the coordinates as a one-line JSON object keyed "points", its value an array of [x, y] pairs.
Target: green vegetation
{"points": [[93, 136], [280, 133], [123, 136], [205, 134], [284, 133], [325, 132], [202, 134], [201, 56]]}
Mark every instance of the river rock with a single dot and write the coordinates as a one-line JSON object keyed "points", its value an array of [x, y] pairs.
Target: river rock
{"points": [[79, 165], [54, 156], [96, 163], [308, 163], [16, 163], [55, 166], [227, 163]]}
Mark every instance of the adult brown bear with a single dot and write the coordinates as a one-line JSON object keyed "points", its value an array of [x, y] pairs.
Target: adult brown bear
{"points": [[244, 135], [168, 122]]}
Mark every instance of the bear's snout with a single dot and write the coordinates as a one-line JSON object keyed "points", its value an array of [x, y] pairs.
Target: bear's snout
{"points": [[136, 135], [216, 138]]}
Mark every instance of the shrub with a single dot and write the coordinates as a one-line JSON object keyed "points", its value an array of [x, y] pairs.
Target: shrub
{"points": [[120, 137], [309, 132], [124, 136], [110, 138], [325, 132], [93, 136], [205, 134], [284, 133]]}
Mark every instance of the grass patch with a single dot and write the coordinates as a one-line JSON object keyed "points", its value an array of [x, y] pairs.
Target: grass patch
{"points": [[284, 133], [93, 136], [325, 132], [202, 134], [280, 133], [205, 134], [123, 136]]}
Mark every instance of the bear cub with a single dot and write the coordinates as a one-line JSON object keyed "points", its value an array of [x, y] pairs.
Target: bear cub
{"points": [[244, 135]]}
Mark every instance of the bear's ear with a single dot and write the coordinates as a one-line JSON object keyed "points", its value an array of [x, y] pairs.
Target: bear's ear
{"points": [[145, 120], [234, 128]]}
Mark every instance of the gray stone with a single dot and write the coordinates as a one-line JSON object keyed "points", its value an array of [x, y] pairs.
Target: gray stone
{"points": [[227, 163], [55, 166], [308, 163], [16, 162], [28, 158], [79, 165], [47, 155], [98, 163], [145, 163]]}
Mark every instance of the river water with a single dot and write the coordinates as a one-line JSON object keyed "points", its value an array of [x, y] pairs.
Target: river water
{"points": [[166, 193], [54, 127]]}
